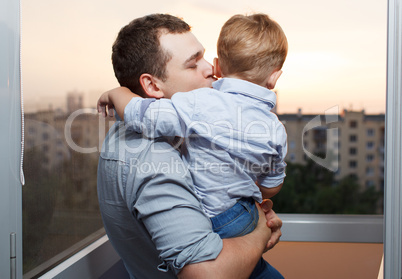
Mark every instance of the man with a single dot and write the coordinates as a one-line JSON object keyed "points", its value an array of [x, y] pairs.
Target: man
{"points": [[150, 211]]}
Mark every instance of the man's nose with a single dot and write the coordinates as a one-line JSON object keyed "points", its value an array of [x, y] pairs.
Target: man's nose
{"points": [[208, 69]]}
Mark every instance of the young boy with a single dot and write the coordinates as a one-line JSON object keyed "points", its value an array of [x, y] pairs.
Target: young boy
{"points": [[234, 145]]}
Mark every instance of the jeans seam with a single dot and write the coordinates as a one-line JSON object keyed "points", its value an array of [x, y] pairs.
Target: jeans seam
{"points": [[231, 221], [249, 211]]}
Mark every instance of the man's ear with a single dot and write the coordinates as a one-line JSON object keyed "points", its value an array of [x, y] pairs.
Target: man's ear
{"points": [[217, 68], [150, 86], [273, 78]]}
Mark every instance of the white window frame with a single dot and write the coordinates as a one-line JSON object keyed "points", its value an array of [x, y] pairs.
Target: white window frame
{"points": [[393, 145], [10, 142]]}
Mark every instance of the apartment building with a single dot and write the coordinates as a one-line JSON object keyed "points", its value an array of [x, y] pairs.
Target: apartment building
{"points": [[351, 143]]}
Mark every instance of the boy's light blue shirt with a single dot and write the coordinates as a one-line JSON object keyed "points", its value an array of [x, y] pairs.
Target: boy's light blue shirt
{"points": [[232, 138]]}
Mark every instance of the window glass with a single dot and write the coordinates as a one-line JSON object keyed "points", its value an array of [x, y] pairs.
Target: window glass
{"points": [[323, 98], [353, 124]]}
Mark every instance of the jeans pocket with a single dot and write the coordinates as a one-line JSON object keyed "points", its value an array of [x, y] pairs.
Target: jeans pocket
{"points": [[239, 220]]}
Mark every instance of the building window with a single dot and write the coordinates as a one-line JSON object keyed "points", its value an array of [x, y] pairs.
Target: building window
{"points": [[353, 124], [369, 171], [292, 157], [370, 145], [369, 183], [369, 157], [370, 132], [353, 164], [353, 151], [352, 138], [292, 144], [31, 130], [45, 136], [45, 148]]}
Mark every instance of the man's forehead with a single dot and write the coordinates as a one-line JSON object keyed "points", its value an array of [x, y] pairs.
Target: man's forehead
{"points": [[181, 45]]}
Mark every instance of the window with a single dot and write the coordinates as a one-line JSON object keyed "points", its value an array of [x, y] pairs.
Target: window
{"points": [[369, 171], [352, 138], [353, 164], [292, 144], [353, 124], [369, 157], [370, 145], [370, 183], [370, 132], [353, 151], [317, 51]]}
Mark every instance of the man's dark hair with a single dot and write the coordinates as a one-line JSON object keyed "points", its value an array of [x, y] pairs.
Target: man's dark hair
{"points": [[137, 49]]}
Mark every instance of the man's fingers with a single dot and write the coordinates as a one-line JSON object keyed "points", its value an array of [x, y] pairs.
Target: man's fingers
{"points": [[266, 205], [275, 224]]}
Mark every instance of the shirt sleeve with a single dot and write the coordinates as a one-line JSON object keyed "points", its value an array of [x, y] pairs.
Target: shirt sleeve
{"points": [[167, 205], [158, 118], [274, 171]]}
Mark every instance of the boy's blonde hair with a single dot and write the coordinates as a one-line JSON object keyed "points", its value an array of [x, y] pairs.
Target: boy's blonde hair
{"points": [[251, 47]]}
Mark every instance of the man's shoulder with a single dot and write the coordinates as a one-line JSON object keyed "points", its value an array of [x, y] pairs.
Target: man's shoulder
{"points": [[121, 144]]}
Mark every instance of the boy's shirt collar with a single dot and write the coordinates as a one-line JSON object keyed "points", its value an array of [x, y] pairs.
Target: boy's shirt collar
{"points": [[239, 86]]}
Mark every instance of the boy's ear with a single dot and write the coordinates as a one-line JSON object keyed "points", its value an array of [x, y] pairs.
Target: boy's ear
{"points": [[273, 78], [150, 86], [217, 68]]}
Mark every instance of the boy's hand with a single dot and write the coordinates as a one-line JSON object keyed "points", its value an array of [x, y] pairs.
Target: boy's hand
{"points": [[117, 99], [105, 105], [273, 222]]}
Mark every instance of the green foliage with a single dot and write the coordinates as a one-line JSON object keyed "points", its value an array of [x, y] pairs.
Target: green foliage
{"points": [[311, 188]]}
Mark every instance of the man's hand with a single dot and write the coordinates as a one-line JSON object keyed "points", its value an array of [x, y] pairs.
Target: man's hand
{"points": [[105, 105], [273, 222]]}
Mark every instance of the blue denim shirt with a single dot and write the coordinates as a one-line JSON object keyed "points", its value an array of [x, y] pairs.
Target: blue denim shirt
{"points": [[150, 211], [232, 138]]}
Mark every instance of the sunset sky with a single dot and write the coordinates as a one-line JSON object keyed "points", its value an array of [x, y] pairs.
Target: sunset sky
{"points": [[337, 49]]}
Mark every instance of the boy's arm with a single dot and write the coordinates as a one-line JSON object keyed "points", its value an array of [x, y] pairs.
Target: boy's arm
{"points": [[270, 182], [268, 193], [117, 99], [152, 119]]}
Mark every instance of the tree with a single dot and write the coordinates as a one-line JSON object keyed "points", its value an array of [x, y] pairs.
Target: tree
{"points": [[311, 188]]}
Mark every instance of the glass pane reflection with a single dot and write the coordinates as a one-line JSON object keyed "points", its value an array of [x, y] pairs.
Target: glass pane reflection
{"points": [[60, 206]]}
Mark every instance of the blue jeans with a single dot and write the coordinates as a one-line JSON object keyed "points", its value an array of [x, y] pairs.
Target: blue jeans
{"points": [[239, 220]]}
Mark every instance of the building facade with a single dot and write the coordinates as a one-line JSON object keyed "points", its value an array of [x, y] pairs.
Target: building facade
{"points": [[349, 144]]}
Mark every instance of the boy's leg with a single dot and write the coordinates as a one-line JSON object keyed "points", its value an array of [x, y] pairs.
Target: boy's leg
{"points": [[240, 219]]}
